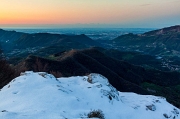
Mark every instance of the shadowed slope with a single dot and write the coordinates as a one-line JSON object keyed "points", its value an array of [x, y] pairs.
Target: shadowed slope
{"points": [[47, 39], [159, 42], [122, 75]]}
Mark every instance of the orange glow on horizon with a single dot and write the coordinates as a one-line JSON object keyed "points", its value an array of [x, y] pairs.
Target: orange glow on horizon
{"points": [[85, 12]]}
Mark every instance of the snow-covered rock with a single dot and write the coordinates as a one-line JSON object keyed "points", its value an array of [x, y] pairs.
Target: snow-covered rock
{"points": [[42, 96]]}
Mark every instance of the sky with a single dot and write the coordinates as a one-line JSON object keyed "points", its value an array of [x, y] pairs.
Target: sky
{"points": [[90, 13]]}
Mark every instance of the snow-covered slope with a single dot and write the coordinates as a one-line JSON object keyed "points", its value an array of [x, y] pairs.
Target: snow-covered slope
{"points": [[42, 96]]}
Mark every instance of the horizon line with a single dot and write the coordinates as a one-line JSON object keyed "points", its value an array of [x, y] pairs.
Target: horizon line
{"points": [[80, 26], [59, 26]]}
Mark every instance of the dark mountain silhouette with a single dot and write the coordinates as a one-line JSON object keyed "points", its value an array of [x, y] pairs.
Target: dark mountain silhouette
{"points": [[159, 42], [47, 39], [136, 58], [167, 30], [9, 35], [24, 40], [17, 45], [122, 75], [74, 63], [7, 38]]}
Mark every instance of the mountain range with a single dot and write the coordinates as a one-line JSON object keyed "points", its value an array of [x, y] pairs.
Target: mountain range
{"points": [[142, 63], [163, 42]]}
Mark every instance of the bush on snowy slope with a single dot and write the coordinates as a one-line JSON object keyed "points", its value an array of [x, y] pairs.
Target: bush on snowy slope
{"points": [[96, 114]]}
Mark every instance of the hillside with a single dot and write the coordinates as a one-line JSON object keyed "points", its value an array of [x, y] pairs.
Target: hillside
{"points": [[18, 45], [136, 58], [64, 98], [163, 42], [167, 30], [80, 64], [47, 39], [122, 75], [7, 38]]}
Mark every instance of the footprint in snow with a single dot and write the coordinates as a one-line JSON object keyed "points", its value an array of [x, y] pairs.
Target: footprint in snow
{"points": [[15, 92], [4, 111]]}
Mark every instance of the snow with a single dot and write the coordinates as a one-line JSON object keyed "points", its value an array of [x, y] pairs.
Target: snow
{"points": [[42, 96]]}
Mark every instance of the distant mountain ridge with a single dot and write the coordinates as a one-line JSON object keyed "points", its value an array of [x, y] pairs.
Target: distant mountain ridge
{"points": [[17, 44], [167, 30], [46, 39], [20, 36], [9, 35], [163, 42], [7, 38]]}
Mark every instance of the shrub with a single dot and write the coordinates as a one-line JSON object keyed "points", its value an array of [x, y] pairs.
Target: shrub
{"points": [[96, 114]]}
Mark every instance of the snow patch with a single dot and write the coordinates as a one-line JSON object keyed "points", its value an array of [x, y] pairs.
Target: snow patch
{"points": [[42, 96]]}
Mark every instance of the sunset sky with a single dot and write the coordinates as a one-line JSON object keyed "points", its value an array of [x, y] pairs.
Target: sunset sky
{"points": [[89, 13]]}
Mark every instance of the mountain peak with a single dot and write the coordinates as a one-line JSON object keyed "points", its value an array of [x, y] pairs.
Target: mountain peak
{"points": [[167, 30], [41, 95]]}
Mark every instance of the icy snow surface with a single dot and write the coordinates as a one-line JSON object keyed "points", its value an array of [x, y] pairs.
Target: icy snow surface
{"points": [[42, 96]]}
